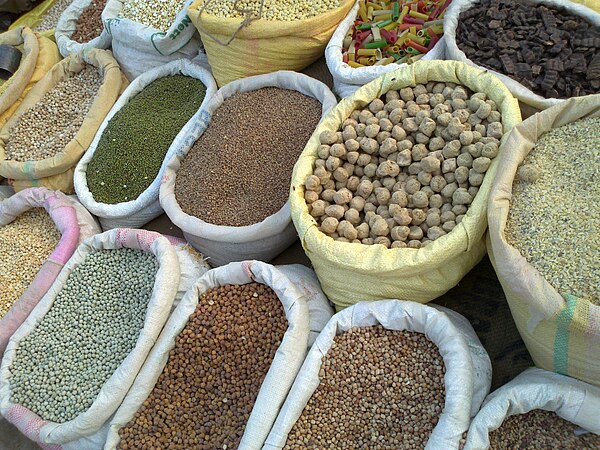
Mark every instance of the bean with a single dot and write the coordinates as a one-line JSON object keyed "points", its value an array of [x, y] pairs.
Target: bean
{"points": [[285, 10], [89, 26]]}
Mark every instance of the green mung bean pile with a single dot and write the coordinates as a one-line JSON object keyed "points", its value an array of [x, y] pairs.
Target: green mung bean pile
{"points": [[134, 143], [91, 327]]}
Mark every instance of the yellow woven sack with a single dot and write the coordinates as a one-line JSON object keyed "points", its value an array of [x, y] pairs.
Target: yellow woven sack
{"points": [[592, 4], [39, 55], [351, 272], [264, 46], [562, 334], [57, 172], [33, 18]]}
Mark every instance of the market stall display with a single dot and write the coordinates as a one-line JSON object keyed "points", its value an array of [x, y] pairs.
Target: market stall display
{"points": [[54, 125], [80, 27]]}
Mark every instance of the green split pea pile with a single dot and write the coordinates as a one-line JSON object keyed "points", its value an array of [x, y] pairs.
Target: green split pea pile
{"points": [[93, 324], [135, 142]]}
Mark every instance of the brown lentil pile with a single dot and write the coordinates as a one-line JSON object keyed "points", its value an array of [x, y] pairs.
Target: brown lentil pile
{"points": [[554, 216], [403, 172], [206, 392], [89, 26], [540, 430], [45, 129], [239, 171], [25, 244], [379, 389], [50, 18]]}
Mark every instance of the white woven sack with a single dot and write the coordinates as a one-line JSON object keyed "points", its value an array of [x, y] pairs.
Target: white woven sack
{"points": [[523, 94], [346, 79], [281, 374], [573, 400], [139, 48], [135, 213], [468, 368], [223, 244], [115, 388], [66, 26]]}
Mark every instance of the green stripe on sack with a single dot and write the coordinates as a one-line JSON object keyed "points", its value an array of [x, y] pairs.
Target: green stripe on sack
{"points": [[561, 340]]}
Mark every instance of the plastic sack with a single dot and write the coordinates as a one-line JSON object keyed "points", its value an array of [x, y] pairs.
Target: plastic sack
{"points": [[571, 399], [146, 207], [263, 46], [67, 25], [139, 48], [39, 55], [281, 374], [75, 224], [522, 93], [223, 244], [468, 368], [352, 272], [562, 334], [33, 18], [57, 172], [115, 388], [346, 80]]}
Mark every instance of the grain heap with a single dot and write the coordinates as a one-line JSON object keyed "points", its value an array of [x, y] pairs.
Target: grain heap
{"points": [[45, 129], [50, 18], [285, 10], [89, 26], [25, 244], [540, 430], [238, 172], [159, 14], [550, 51], [554, 216], [379, 389], [93, 324], [403, 172], [214, 372], [133, 145]]}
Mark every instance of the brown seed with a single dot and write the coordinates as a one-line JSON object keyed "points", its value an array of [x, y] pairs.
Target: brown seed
{"points": [[89, 25]]}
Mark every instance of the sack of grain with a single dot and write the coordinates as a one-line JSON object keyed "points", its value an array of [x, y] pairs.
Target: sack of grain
{"points": [[39, 55], [73, 225], [346, 79], [558, 315], [137, 212], [238, 48], [139, 45], [264, 239], [456, 378], [67, 25], [354, 270], [43, 18], [560, 57], [136, 277], [537, 389], [277, 364], [56, 170]]}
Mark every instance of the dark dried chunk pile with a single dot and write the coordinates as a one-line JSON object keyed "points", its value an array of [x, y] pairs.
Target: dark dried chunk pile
{"points": [[551, 52]]}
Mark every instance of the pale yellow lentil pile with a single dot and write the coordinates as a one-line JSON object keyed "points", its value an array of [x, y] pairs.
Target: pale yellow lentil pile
{"points": [[554, 216], [25, 244], [286, 10]]}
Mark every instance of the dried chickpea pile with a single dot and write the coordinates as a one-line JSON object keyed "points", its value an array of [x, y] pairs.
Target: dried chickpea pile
{"points": [[93, 324], [25, 244], [540, 430], [554, 215], [206, 392], [379, 389], [45, 129], [285, 10], [403, 172]]}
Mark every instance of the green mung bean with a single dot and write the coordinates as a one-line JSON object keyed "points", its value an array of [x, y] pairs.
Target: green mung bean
{"points": [[134, 143]]}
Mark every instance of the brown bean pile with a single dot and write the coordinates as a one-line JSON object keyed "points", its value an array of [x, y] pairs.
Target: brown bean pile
{"points": [[89, 26], [25, 244], [239, 171], [540, 430], [206, 392], [551, 52], [379, 389]]}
